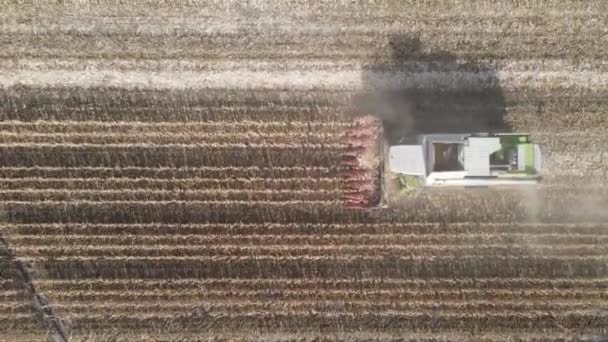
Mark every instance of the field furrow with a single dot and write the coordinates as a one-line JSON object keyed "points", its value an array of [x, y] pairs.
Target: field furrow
{"points": [[330, 321], [455, 334], [244, 307], [178, 155], [184, 184], [424, 231], [168, 139], [17, 238], [365, 295], [209, 172], [314, 285], [111, 106], [321, 266], [169, 195], [330, 211], [522, 21], [280, 251]]}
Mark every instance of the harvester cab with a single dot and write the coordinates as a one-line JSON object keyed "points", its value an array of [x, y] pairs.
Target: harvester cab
{"points": [[467, 160]]}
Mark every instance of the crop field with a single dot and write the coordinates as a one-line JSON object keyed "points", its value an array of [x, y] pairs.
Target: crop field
{"points": [[188, 170]]}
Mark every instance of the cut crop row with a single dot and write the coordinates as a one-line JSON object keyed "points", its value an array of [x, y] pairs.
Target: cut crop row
{"points": [[302, 335], [169, 195], [170, 287], [402, 251], [346, 12], [554, 107], [166, 108], [152, 295], [310, 230], [282, 212], [338, 20], [326, 239], [355, 307], [177, 212], [403, 322], [321, 266]]}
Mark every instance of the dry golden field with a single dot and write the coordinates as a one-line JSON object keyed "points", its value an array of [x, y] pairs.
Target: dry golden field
{"points": [[185, 170]]}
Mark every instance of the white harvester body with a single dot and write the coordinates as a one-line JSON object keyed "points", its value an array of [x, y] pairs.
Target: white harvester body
{"points": [[467, 160]]}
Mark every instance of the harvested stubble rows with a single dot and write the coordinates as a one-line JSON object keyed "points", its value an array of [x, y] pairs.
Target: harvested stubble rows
{"points": [[182, 171], [402, 305], [19, 316]]}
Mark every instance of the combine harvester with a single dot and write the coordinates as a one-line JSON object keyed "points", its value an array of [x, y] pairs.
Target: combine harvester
{"points": [[467, 160], [437, 160]]}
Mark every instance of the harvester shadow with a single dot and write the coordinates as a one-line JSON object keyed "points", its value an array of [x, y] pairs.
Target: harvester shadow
{"points": [[415, 88], [417, 91]]}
